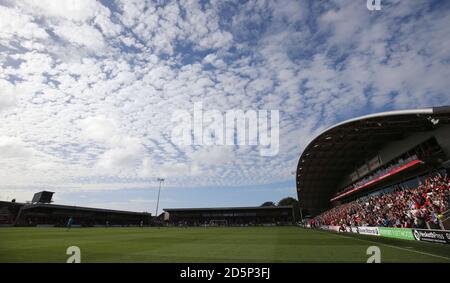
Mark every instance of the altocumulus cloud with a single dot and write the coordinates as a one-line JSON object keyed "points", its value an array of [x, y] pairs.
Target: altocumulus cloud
{"points": [[87, 88]]}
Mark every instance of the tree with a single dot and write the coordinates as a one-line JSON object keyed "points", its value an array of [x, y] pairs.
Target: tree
{"points": [[268, 203], [288, 201], [294, 203]]}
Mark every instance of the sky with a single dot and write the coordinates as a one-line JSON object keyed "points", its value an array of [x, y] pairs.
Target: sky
{"points": [[88, 90]]}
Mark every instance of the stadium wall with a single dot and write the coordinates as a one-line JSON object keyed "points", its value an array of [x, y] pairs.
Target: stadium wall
{"points": [[443, 138], [424, 235], [396, 148]]}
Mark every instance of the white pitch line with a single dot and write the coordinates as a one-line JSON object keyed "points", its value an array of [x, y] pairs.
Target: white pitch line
{"points": [[395, 247]]}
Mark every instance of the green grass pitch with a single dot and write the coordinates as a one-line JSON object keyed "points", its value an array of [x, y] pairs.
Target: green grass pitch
{"points": [[250, 244]]}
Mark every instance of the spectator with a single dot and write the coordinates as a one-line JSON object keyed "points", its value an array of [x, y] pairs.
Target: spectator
{"points": [[420, 207]]}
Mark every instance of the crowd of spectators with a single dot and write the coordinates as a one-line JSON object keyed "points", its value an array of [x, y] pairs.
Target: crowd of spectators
{"points": [[419, 207]]}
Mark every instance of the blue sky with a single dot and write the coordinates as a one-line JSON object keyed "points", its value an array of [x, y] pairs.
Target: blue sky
{"points": [[88, 88]]}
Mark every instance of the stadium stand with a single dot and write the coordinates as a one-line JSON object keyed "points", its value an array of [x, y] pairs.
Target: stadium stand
{"points": [[388, 169], [8, 212], [419, 207], [42, 213], [230, 216]]}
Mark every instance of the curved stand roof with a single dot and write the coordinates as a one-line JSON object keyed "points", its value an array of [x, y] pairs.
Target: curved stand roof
{"points": [[336, 151]]}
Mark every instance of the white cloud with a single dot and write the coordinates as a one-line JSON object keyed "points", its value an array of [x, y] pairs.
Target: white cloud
{"points": [[124, 157], [76, 10], [99, 129], [14, 148], [81, 35], [15, 24], [167, 169], [87, 92], [7, 98], [217, 155], [214, 60]]}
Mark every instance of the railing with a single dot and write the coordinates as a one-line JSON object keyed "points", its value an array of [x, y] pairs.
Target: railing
{"points": [[373, 181], [445, 223]]}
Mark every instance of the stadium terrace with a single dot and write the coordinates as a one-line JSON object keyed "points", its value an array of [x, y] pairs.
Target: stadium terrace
{"points": [[40, 212], [392, 166]]}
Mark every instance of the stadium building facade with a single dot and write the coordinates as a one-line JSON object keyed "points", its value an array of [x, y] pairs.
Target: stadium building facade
{"points": [[230, 216], [372, 153], [41, 212]]}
